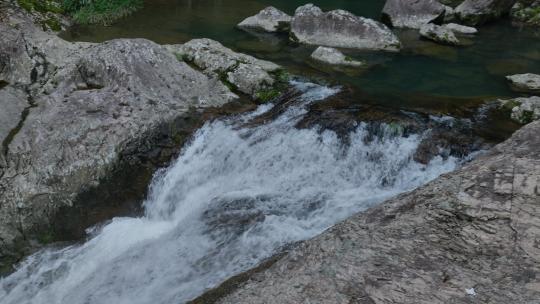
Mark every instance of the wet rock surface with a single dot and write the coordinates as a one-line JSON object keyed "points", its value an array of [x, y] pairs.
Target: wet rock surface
{"points": [[342, 29], [269, 20], [412, 13], [468, 237]]}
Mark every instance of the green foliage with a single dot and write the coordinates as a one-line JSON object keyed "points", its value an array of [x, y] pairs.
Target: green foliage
{"points": [[42, 6], [267, 95], [53, 24], [100, 11]]}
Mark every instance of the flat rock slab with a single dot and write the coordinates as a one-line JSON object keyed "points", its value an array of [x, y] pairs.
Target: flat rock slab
{"points": [[461, 29], [342, 29], [470, 236], [412, 13], [525, 82]]}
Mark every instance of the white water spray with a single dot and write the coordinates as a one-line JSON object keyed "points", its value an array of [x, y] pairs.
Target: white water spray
{"points": [[234, 197]]}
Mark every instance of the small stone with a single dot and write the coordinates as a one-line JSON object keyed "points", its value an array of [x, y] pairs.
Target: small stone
{"points": [[439, 34], [461, 29], [525, 82], [334, 57]]}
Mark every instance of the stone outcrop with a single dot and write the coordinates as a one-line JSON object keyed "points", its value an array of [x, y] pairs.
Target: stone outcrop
{"points": [[342, 29], [524, 110], [439, 34], [525, 82], [75, 114], [332, 56], [470, 236], [244, 73], [474, 12], [412, 13], [269, 20]]}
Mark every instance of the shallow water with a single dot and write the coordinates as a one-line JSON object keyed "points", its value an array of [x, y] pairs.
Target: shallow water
{"points": [[423, 77], [234, 197]]}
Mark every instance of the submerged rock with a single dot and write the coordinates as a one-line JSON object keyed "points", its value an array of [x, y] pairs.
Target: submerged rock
{"points": [[525, 82], [269, 19], [244, 73], [475, 12], [333, 56], [412, 13], [339, 28], [524, 110], [468, 236], [461, 29], [439, 34]]}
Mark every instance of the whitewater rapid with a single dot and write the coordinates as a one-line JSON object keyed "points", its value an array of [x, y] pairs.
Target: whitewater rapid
{"points": [[235, 196]]}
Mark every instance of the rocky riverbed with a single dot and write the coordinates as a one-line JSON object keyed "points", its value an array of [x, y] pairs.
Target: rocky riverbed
{"points": [[217, 162]]}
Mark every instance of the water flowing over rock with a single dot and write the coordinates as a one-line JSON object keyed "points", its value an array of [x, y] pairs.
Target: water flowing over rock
{"points": [[412, 13], [247, 74], [244, 188], [73, 113], [475, 12], [468, 237], [524, 109], [342, 29], [334, 57], [525, 82], [439, 34], [269, 20]]}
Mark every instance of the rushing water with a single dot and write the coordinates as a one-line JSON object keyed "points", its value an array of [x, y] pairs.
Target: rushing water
{"points": [[237, 194]]}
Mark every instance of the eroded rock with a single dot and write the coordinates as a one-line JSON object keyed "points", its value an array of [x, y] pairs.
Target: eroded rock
{"points": [[461, 29], [342, 29], [412, 13], [269, 20]]}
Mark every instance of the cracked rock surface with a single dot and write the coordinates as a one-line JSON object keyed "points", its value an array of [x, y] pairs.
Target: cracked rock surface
{"points": [[470, 236]]}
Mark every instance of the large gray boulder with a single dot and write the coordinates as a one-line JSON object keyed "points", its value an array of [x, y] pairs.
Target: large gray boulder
{"points": [[525, 82], [339, 28], [475, 12], [470, 236], [245, 73], [73, 114], [412, 13], [439, 34], [269, 20]]}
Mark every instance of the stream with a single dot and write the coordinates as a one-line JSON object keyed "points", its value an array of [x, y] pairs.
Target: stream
{"points": [[236, 195]]}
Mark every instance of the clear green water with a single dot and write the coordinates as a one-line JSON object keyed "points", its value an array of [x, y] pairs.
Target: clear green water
{"points": [[424, 77]]}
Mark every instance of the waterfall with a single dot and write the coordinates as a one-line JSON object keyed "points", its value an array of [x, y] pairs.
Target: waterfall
{"points": [[237, 194]]}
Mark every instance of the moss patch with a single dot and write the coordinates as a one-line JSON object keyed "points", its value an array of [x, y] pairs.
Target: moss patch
{"points": [[42, 6]]}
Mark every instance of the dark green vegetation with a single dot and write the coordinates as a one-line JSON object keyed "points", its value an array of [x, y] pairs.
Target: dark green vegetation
{"points": [[83, 11], [100, 11]]}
